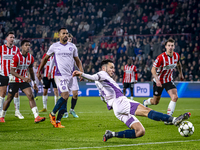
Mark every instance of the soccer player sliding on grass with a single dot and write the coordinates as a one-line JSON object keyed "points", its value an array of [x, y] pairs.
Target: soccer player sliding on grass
{"points": [[124, 108]]}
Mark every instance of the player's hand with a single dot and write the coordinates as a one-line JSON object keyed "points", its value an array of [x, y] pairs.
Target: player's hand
{"points": [[76, 73], [49, 76], [39, 76], [158, 83], [81, 78], [35, 88], [27, 80], [135, 82]]}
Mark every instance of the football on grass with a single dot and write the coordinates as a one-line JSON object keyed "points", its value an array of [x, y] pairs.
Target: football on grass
{"points": [[186, 129]]}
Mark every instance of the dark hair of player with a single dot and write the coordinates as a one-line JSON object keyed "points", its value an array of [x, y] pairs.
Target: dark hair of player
{"points": [[10, 32], [24, 41], [61, 29], [106, 61], [170, 40], [70, 35]]}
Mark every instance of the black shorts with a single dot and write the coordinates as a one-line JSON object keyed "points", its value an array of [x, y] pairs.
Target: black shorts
{"points": [[14, 87], [157, 91], [47, 83], [128, 85], [4, 80]]}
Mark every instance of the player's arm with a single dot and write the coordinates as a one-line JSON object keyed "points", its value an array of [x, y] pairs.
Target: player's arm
{"points": [[41, 66], [79, 64], [179, 66], [30, 69], [154, 74], [94, 77]]}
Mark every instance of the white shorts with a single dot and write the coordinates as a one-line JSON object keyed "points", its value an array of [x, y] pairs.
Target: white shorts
{"points": [[75, 86], [124, 109], [64, 84]]}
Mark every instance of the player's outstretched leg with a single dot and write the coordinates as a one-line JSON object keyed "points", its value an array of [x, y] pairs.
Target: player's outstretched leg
{"points": [[157, 116]]}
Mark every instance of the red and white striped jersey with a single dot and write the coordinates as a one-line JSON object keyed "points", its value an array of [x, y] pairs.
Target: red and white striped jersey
{"points": [[6, 55], [165, 66], [130, 74], [21, 64], [46, 70]]}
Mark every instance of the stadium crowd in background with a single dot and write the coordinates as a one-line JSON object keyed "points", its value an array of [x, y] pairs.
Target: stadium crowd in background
{"points": [[136, 32]]}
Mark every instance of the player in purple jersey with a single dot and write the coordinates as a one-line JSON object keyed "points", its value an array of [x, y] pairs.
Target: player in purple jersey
{"points": [[65, 55], [124, 109]]}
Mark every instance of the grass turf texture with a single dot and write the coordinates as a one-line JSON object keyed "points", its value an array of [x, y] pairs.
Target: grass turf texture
{"points": [[94, 119]]}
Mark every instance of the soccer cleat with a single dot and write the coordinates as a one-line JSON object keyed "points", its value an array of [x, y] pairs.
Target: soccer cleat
{"points": [[39, 119], [2, 120], [73, 113], [144, 103], [168, 123], [36, 98], [181, 118], [107, 135], [65, 115], [52, 119], [58, 125], [19, 115], [43, 110]]}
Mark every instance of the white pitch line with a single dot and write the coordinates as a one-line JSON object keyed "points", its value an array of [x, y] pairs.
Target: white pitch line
{"points": [[151, 143]]}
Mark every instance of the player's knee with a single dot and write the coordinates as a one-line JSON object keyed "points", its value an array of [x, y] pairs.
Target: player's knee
{"points": [[140, 132], [175, 98], [30, 96], [75, 96]]}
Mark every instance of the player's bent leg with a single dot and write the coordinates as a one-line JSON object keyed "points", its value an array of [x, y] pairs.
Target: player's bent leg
{"points": [[152, 101], [29, 94]]}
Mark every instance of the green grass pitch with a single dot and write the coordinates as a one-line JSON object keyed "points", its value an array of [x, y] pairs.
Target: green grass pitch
{"points": [[86, 132]]}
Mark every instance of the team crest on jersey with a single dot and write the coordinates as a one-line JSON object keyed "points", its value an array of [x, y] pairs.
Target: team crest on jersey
{"points": [[70, 48]]}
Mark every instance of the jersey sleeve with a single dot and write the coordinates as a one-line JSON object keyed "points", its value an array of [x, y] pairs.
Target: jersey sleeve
{"points": [[158, 62], [50, 51], [96, 77], [14, 62], [75, 54]]}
